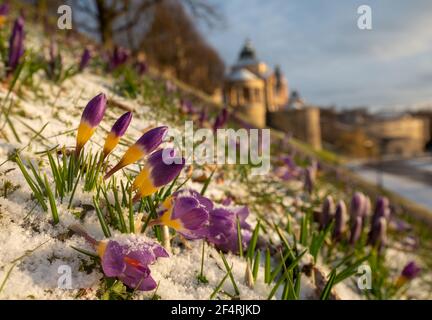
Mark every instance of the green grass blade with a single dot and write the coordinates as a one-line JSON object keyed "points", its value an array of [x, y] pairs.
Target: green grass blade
{"points": [[237, 291], [52, 201], [101, 218], [325, 294], [253, 241]]}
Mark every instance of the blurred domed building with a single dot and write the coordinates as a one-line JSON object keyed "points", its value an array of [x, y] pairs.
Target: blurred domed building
{"points": [[254, 88]]}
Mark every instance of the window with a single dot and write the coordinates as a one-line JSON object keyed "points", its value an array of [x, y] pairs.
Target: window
{"points": [[246, 95], [257, 95]]}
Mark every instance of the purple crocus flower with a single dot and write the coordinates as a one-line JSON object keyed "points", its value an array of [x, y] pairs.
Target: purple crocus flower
{"points": [[4, 11], [186, 107], [187, 212], [118, 57], [16, 45], [141, 67], [327, 212], [221, 119], [382, 209], [148, 142], [357, 207], [341, 218], [368, 207], [85, 59], [309, 179], [378, 233], [90, 119], [356, 230], [158, 172], [222, 231], [409, 272], [170, 86], [127, 258], [289, 170], [203, 117], [129, 261], [54, 62], [117, 131]]}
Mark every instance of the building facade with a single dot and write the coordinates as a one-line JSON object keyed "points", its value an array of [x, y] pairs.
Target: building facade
{"points": [[253, 88]]}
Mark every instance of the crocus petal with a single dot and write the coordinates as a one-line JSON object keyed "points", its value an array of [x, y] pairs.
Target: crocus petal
{"points": [[357, 205], [411, 270], [4, 9], [382, 209], [221, 119], [90, 119], [378, 233], [148, 142], [222, 230], [129, 261], [356, 230], [85, 59], [16, 44], [157, 173], [138, 280], [95, 110], [112, 261], [117, 131], [340, 220], [327, 211]]}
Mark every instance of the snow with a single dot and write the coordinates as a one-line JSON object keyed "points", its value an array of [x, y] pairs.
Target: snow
{"points": [[43, 250]]}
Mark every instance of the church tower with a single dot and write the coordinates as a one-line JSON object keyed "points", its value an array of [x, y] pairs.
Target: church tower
{"points": [[253, 88]]}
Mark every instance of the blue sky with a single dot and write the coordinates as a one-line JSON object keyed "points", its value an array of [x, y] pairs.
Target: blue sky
{"points": [[327, 58]]}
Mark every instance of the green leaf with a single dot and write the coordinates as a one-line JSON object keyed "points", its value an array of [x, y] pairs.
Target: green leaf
{"points": [[253, 241], [101, 218], [237, 291], [325, 294], [52, 201]]}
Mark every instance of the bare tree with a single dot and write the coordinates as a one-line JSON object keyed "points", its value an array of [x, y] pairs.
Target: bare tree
{"points": [[110, 20]]}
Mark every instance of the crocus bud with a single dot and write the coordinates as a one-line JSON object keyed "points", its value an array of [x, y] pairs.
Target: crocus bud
{"points": [[367, 207], [203, 117], [118, 58], [161, 168], [4, 11], [141, 67], [85, 59], [117, 131], [327, 212], [186, 106], [341, 218], [309, 179], [90, 119], [409, 272], [148, 142], [16, 45], [221, 119], [382, 209], [378, 233], [357, 207], [356, 229]]}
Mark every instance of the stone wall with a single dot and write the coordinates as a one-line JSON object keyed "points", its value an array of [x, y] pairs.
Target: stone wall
{"points": [[304, 124]]}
